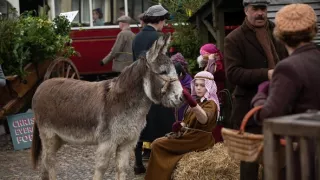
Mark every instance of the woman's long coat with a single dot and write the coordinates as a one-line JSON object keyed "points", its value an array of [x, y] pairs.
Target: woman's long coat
{"points": [[159, 118]]}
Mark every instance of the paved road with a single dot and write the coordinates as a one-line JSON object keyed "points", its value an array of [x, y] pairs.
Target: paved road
{"points": [[74, 162]]}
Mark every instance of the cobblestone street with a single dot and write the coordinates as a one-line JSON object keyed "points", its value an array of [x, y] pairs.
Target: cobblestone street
{"points": [[74, 162]]}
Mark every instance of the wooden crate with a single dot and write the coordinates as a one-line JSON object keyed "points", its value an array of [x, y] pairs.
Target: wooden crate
{"points": [[302, 129]]}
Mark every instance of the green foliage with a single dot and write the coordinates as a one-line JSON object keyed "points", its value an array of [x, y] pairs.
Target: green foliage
{"points": [[32, 39], [63, 26], [185, 40], [185, 37], [7, 34]]}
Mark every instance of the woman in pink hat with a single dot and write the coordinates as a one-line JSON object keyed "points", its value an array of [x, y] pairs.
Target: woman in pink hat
{"points": [[211, 60]]}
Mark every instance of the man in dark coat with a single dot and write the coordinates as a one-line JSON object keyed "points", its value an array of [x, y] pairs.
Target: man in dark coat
{"points": [[159, 118], [251, 53]]}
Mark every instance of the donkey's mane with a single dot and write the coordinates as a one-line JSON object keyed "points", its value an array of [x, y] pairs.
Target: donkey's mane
{"points": [[130, 77]]}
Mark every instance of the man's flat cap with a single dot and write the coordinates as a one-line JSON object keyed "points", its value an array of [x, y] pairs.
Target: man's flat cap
{"points": [[256, 2], [156, 10], [124, 19]]}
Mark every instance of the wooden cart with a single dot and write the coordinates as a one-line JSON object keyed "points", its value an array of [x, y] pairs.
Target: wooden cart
{"points": [[18, 92]]}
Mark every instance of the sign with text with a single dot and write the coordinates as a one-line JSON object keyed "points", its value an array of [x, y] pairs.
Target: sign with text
{"points": [[21, 129], [70, 15]]}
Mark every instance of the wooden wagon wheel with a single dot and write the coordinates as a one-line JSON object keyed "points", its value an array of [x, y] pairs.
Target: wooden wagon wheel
{"points": [[62, 67]]}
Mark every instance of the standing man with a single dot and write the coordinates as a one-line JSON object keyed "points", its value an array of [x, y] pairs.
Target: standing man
{"points": [[121, 52], [251, 53], [159, 118]]}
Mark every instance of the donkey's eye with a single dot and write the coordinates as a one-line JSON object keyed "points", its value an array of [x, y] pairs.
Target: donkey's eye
{"points": [[163, 72]]}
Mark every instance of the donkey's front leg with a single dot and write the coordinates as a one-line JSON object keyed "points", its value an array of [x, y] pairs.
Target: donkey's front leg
{"points": [[104, 152], [123, 157]]}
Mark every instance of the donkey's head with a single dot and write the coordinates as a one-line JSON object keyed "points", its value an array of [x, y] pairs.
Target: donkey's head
{"points": [[161, 83]]}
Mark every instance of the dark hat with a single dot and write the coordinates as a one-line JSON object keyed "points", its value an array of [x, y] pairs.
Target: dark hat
{"points": [[124, 19], [156, 10], [256, 2]]}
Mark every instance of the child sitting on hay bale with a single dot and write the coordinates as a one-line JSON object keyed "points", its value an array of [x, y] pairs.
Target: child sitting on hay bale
{"points": [[194, 133]]}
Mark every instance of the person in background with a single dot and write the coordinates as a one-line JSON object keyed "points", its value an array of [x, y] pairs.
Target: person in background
{"points": [[211, 60], [181, 66], [122, 12], [295, 84], [200, 118], [250, 55], [2, 78], [159, 118], [121, 52], [154, 19], [97, 17]]}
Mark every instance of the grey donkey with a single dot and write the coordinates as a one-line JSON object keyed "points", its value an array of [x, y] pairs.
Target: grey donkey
{"points": [[110, 113]]}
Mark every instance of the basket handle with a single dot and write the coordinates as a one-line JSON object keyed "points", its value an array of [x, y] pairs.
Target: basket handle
{"points": [[248, 116]]}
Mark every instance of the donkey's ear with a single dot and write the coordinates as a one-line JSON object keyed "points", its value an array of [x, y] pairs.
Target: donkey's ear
{"points": [[166, 45], [155, 49]]}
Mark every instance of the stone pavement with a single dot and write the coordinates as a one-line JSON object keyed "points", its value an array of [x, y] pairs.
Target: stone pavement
{"points": [[73, 163]]}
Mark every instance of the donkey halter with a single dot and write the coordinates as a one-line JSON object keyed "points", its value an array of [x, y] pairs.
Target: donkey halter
{"points": [[168, 80]]}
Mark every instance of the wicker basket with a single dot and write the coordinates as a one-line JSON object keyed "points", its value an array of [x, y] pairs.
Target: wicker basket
{"points": [[241, 145], [246, 146]]}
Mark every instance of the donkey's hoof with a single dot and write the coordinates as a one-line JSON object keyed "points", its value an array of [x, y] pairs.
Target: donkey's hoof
{"points": [[139, 169]]}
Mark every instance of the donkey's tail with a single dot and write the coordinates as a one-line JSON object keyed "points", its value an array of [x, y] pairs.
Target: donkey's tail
{"points": [[36, 146]]}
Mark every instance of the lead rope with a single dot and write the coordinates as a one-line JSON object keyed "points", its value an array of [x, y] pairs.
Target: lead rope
{"points": [[176, 112], [199, 130]]}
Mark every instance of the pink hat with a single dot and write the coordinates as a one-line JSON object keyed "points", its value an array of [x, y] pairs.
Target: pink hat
{"points": [[209, 48]]}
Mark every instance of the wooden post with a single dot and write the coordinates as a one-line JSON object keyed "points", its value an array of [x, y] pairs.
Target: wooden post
{"points": [[202, 30], [289, 159], [317, 169], [221, 31], [270, 158], [218, 25], [210, 29], [304, 159]]}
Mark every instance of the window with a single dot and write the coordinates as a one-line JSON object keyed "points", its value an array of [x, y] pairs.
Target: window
{"points": [[82, 6], [98, 12], [136, 7], [108, 10], [4, 8]]}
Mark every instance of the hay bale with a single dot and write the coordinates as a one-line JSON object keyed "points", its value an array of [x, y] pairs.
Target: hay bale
{"points": [[214, 163]]}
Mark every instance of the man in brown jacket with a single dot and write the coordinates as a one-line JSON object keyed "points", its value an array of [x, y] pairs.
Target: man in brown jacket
{"points": [[121, 52], [251, 53]]}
